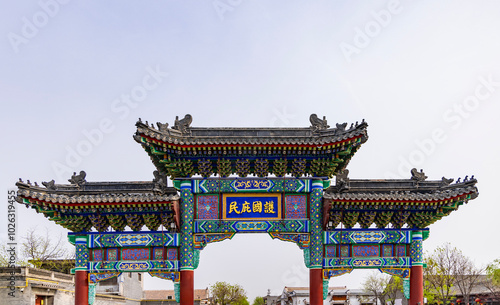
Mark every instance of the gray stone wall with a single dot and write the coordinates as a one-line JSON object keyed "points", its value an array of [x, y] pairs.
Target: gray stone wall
{"points": [[59, 289], [56, 288], [125, 289], [132, 287]]}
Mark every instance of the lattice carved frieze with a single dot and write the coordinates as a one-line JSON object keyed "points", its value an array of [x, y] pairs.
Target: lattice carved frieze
{"points": [[187, 219], [265, 226], [367, 262], [316, 219], [215, 186], [133, 266]]}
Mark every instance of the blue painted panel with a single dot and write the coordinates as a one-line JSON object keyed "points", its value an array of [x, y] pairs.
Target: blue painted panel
{"points": [[251, 207]]}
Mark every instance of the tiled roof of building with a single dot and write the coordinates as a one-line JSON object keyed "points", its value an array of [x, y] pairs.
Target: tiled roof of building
{"points": [[158, 294], [400, 189], [415, 202], [184, 151], [84, 196], [296, 288], [81, 205], [317, 133], [199, 294], [307, 288]]}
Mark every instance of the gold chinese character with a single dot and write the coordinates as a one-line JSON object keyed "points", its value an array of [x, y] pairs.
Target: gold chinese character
{"points": [[246, 208], [269, 207], [233, 207], [257, 206]]}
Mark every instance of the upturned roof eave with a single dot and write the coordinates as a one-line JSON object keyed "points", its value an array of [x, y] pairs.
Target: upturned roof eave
{"points": [[230, 134], [98, 188], [397, 185]]}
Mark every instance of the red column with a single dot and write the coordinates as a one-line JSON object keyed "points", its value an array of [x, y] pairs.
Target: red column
{"points": [[187, 287], [416, 286], [315, 286], [81, 288]]}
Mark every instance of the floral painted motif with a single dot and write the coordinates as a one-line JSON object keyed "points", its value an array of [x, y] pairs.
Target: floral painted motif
{"points": [[387, 250], [138, 254], [331, 251], [296, 207], [112, 255], [97, 255], [208, 207], [401, 250], [172, 254], [365, 250], [158, 254], [344, 251]]}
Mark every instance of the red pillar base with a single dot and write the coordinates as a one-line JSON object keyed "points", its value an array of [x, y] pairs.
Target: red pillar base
{"points": [[81, 288], [187, 287], [416, 286], [315, 286]]}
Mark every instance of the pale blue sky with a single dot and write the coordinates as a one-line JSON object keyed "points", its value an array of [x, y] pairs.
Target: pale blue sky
{"points": [[259, 63]]}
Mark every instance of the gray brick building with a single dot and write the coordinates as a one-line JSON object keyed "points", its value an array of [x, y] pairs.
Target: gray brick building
{"points": [[30, 286]]}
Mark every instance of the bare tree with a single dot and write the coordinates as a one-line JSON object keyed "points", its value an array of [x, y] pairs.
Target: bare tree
{"points": [[376, 284], [384, 287], [5, 257], [466, 274], [438, 276], [447, 267], [40, 249]]}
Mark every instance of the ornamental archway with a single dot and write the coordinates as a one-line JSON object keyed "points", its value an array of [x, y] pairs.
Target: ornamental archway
{"points": [[289, 197]]}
